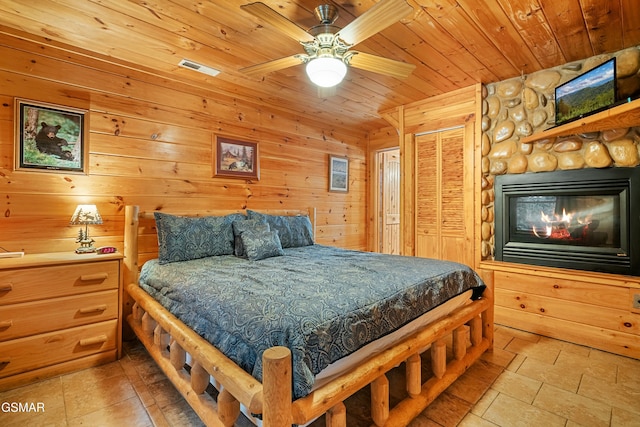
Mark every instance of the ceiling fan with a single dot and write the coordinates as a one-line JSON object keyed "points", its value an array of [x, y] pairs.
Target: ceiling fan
{"points": [[328, 47]]}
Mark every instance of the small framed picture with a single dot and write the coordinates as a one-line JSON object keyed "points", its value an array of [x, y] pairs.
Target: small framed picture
{"points": [[49, 137], [236, 159], [338, 174]]}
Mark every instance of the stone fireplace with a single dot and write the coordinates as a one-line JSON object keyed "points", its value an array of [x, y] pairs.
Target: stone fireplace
{"points": [[518, 108], [580, 219], [574, 303]]}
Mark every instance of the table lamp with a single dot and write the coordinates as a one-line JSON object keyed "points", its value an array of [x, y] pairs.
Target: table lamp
{"points": [[85, 215]]}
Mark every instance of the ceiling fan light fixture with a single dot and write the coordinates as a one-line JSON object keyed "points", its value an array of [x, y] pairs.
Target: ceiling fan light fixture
{"points": [[326, 71]]}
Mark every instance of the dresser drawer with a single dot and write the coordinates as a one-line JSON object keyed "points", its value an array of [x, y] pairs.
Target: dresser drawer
{"points": [[38, 351], [29, 318], [564, 289], [21, 285]]}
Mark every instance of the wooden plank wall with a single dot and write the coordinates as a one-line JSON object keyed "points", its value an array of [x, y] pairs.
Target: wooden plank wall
{"points": [[150, 143]]}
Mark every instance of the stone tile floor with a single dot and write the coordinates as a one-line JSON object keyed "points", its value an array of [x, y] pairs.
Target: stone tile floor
{"points": [[528, 380]]}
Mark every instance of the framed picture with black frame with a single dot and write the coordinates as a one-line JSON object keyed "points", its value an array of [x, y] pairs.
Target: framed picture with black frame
{"points": [[338, 174], [49, 137]]}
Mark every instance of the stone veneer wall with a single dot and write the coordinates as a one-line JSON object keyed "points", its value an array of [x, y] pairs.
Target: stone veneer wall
{"points": [[519, 107]]}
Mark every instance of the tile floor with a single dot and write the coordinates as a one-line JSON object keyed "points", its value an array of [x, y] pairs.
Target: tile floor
{"points": [[528, 380]]}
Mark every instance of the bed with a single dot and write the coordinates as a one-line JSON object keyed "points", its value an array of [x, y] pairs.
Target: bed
{"points": [[282, 362]]}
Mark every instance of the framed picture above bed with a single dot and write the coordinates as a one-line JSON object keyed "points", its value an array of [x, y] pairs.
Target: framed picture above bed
{"points": [[235, 158], [49, 137], [338, 174]]}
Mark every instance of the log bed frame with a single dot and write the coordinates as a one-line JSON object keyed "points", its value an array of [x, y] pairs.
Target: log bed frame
{"points": [[470, 328]]}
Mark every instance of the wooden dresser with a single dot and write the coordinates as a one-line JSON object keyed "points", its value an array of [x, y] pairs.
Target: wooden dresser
{"points": [[59, 312]]}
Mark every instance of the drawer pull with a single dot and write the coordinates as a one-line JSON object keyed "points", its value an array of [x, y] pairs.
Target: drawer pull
{"points": [[95, 340], [95, 309], [6, 287], [93, 277], [6, 324]]}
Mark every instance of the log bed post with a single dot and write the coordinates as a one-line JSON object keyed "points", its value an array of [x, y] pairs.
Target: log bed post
{"points": [[414, 375], [380, 400], [148, 324], [177, 355], [199, 378], [439, 357], [131, 221], [460, 338], [336, 416], [161, 338], [276, 383], [130, 264], [228, 408], [476, 330]]}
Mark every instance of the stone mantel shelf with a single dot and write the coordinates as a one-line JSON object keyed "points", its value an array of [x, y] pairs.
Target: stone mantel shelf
{"points": [[621, 116]]}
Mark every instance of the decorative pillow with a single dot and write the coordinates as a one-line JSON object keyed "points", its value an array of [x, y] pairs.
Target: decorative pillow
{"points": [[294, 231], [301, 231], [183, 238], [239, 227], [262, 244]]}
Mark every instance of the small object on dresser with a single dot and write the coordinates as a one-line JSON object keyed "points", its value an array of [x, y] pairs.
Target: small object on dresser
{"points": [[106, 250]]}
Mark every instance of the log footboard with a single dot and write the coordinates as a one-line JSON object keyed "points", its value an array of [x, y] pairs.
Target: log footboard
{"points": [[168, 341], [421, 391]]}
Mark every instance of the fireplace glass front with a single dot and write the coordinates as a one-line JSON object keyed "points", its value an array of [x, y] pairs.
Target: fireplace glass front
{"points": [[586, 219], [583, 220]]}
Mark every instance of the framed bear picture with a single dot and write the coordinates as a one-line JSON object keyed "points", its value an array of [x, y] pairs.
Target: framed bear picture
{"points": [[49, 137]]}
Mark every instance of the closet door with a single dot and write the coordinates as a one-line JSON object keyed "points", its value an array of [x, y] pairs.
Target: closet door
{"points": [[428, 181], [444, 213]]}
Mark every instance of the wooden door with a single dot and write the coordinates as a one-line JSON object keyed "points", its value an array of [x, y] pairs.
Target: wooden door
{"points": [[390, 198], [444, 202], [428, 182]]}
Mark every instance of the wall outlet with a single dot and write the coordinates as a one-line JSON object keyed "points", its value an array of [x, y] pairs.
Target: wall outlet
{"points": [[636, 301]]}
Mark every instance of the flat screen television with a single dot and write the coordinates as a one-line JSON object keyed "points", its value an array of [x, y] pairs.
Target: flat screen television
{"points": [[586, 94]]}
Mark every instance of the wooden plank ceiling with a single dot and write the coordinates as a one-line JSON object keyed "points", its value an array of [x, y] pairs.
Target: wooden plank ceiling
{"points": [[453, 43]]}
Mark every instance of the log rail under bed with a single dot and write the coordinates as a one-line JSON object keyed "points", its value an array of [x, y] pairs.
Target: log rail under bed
{"points": [[470, 328]]}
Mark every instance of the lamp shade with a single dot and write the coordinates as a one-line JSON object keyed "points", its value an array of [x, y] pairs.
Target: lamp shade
{"points": [[86, 214], [326, 71]]}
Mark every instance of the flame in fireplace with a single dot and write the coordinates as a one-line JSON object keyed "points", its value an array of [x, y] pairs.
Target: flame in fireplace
{"points": [[561, 226]]}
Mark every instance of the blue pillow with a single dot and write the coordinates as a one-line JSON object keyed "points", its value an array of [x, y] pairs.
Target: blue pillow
{"points": [[239, 227], [294, 231], [183, 238], [262, 244], [301, 231]]}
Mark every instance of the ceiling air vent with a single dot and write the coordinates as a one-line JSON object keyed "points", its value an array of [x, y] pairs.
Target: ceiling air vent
{"points": [[199, 67]]}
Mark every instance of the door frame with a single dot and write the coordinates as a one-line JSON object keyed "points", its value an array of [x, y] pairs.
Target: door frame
{"points": [[378, 199]]}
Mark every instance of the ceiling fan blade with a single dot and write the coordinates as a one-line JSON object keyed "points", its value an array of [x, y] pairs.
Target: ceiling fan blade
{"points": [[378, 64], [274, 65], [376, 19], [279, 22]]}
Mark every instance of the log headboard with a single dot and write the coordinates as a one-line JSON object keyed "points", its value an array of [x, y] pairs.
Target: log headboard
{"points": [[140, 234]]}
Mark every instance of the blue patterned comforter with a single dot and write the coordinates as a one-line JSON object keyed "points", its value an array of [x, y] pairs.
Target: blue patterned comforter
{"points": [[321, 302]]}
